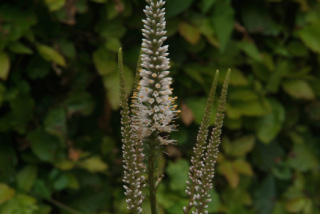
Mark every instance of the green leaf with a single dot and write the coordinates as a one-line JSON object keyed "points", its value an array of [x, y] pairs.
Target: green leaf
{"points": [[94, 164], [241, 146], [104, 61], [99, 1], [18, 47], [297, 49], [54, 5], [197, 106], [21, 110], [257, 19], [237, 209], [250, 108], [20, 203], [242, 95], [111, 83], [5, 193], [229, 173], [303, 158], [80, 103], [51, 55], [205, 5], [189, 32], [2, 90], [237, 78], [67, 48], [4, 65], [38, 68], [283, 68], [8, 160], [250, 49], [310, 35], [242, 167], [43, 145], [55, 122], [223, 22], [173, 8], [26, 177], [113, 44], [41, 189], [178, 173], [264, 195], [60, 182], [299, 89], [270, 125]]}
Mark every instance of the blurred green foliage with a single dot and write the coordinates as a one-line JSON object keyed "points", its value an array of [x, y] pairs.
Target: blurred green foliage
{"points": [[60, 149]]}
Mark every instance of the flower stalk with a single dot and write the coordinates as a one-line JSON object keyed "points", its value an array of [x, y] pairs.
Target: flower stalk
{"points": [[146, 125]]}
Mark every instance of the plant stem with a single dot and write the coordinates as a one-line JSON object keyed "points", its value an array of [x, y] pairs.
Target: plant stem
{"points": [[152, 159], [64, 207]]}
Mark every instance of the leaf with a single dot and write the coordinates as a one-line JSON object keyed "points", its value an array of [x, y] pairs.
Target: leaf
{"points": [[94, 164], [20, 203], [37, 68], [296, 205], [99, 1], [250, 108], [242, 167], [19, 48], [250, 49], [26, 177], [283, 68], [197, 106], [41, 189], [111, 83], [299, 89], [206, 5], [5, 193], [173, 8], [264, 195], [242, 95], [4, 65], [60, 182], [241, 146], [310, 36], [2, 90], [265, 156], [80, 103], [55, 122], [8, 160], [230, 173], [303, 158], [237, 78], [223, 22], [104, 62], [51, 55], [189, 32], [270, 125], [21, 109], [43, 145], [178, 173], [113, 44], [257, 19], [54, 5]]}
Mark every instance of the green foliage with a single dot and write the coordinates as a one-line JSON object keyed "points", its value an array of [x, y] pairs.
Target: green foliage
{"points": [[59, 95]]}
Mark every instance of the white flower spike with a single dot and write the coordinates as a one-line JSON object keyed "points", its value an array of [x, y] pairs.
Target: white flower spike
{"points": [[155, 107]]}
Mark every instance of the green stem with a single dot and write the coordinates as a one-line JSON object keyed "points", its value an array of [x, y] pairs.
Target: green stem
{"points": [[152, 159], [64, 207]]}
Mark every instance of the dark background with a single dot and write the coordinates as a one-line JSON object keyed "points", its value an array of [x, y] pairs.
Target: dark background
{"points": [[59, 118]]}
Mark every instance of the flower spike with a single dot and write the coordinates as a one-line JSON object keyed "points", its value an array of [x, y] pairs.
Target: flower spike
{"points": [[153, 101], [132, 152]]}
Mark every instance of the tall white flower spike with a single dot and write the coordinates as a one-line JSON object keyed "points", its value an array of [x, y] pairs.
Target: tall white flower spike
{"points": [[153, 103]]}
